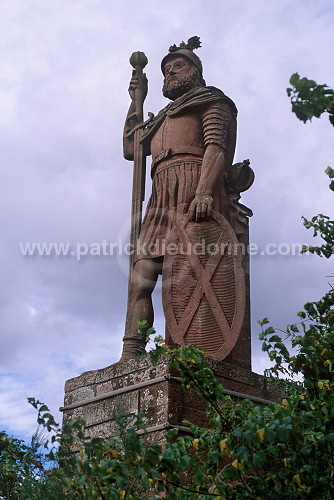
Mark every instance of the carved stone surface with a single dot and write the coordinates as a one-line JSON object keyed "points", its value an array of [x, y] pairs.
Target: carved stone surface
{"points": [[192, 143], [101, 396], [204, 286]]}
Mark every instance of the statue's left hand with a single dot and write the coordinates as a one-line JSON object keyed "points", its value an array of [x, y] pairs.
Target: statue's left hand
{"points": [[201, 206]]}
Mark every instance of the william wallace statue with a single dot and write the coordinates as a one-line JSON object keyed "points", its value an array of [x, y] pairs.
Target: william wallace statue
{"points": [[194, 229]]}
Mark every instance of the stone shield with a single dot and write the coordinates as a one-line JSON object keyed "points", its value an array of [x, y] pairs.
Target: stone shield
{"points": [[203, 285]]}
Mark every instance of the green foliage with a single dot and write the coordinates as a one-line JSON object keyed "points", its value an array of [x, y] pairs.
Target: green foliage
{"points": [[22, 467], [323, 226], [145, 330], [309, 99], [284, 450], [277, 451]]}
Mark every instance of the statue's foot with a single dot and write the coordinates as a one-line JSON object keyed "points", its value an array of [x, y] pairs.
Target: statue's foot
{"points": [[133, 348], [128, 355]]}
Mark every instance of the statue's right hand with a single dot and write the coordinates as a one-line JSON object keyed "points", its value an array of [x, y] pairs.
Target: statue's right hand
{"points": [[138, 83]]}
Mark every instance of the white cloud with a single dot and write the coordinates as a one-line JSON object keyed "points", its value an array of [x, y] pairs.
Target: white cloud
{"points": [[63, 91]]}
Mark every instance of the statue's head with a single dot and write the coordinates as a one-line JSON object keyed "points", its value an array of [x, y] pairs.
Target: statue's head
{"points": [[182, 69]]}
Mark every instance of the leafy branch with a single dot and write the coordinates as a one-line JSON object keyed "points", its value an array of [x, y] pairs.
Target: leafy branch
{"points": [[309, 99]]}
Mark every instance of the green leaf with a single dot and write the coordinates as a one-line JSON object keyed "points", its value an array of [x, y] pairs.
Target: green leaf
{"points": [[294, 79], [275, 338], [269, 330], [259, 459], [248, 436], [297, 340], [269, 433], [330, 172]]}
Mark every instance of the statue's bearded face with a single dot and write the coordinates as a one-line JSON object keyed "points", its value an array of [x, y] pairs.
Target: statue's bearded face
{"points": [[180, 77]]}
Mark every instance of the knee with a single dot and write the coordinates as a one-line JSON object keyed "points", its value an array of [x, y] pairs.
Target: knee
{"points": [[143, 279], [139, 289]]}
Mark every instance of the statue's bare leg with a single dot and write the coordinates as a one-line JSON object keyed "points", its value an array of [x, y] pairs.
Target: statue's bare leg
{"points": [[140, 308]]}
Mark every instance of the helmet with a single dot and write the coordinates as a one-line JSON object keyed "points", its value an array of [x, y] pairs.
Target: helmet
{"points": [[185, 50]]}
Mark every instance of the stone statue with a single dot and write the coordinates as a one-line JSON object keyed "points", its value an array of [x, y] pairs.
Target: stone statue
{"points": [[194, 227]]}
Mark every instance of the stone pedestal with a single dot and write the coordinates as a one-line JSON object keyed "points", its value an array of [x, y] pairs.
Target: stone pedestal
{"points": [[101, 396]]}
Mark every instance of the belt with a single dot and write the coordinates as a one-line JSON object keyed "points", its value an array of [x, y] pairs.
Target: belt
{"points": [[167, 153]]}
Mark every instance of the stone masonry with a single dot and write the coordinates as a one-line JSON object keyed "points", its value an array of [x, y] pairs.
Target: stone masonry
{"points": [[134, 386]]}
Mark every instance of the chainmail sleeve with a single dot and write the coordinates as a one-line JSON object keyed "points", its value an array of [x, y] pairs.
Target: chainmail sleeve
{"points": [[215, 121]]}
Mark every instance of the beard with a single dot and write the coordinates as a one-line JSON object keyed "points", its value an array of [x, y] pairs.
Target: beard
{"points": [[179, 85]]}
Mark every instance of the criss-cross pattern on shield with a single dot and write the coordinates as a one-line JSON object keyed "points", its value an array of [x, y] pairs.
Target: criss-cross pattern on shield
{"points": [[203, 285]]}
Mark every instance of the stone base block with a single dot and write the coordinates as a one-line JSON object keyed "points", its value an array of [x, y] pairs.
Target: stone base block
{"points": [[102, 396]]}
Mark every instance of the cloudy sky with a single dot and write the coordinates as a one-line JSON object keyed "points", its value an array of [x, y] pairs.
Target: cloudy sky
{"points": [[63, 96]]}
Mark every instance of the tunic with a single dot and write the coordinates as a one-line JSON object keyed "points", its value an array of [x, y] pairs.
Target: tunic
{"points": [[177, 138]]}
